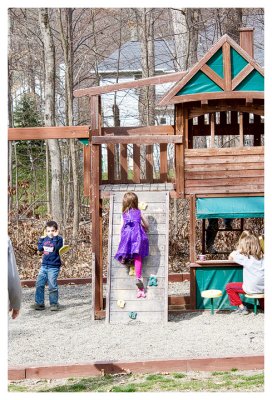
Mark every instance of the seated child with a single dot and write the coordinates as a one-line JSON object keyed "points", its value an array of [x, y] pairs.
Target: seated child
{"points": [[250, 255]]}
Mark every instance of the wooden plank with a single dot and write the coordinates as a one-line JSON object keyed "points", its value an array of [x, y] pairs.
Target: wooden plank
{"points": [[154, 80], [129, 283], [227, 66], [154, 229], [110, 153], [139, 305], [146, 317], [147, 197], [86, 169], [229, 94], [123, 163], [250, 108], [223, 189], [224, 151], [192, 288], [241, 76], [225, 159], [96, 208], [212, 125], [122, 272], [109, 270], [49, 132], [166, 259], [136, 163], [163, 162], [144, 139], [222, 167], [149, 162], [129, 294], [136, 130], [241, 130], [181, 128], [224, 182], [213, 75], [152, 260], [223, 174]]}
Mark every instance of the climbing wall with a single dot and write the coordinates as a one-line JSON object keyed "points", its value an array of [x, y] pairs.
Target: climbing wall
{"points": [[120, 285]]}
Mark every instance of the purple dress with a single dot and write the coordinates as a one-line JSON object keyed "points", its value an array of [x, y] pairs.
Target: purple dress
{"points": [[134, 240]]}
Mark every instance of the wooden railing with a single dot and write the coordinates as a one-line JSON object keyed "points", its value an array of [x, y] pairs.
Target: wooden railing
{"points": [[137, 154], [224, 171]]}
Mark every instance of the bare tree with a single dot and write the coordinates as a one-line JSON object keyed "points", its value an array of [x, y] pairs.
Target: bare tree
{"points": [[49, 115]]}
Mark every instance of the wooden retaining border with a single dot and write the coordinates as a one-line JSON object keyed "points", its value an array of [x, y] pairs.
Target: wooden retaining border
{"points": [[83, 281], [149, 366]]}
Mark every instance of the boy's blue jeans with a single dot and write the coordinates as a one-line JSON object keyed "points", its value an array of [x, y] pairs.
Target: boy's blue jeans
{"points": [[48, 274]]}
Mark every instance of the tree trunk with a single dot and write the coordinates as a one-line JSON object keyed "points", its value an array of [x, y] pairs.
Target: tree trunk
{"points": [[67, 46], [49, 115], [181, 38]]}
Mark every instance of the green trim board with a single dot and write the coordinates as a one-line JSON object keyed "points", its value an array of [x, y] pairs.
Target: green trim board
{"points": [[199, 83], [85, 142], [230, 207], [208, 278], [237, 62], [216, 63], [254, 82]]}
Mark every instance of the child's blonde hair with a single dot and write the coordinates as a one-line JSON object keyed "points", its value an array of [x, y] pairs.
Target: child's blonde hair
{"points": [[130, 200], [249, 245]]}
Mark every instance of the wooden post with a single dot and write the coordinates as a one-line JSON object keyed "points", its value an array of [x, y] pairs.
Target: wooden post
{"points": [[87, 169], [96, 209], [181, 128], [241, 129], [203, 236], [192, 229], [227, 66], [212, 129]]}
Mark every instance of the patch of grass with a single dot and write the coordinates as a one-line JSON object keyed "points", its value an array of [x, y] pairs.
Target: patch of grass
{"points": [[234, 369], [178, 375], [178, 382]]}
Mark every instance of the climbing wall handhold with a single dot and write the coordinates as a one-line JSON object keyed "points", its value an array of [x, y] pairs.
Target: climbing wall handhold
{"points": [[121, 303], [142, 205], [132, 314], [152, 281], [132, 271]]}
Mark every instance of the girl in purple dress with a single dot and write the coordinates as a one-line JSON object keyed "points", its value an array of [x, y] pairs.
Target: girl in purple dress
{"points": [[134, 241]]}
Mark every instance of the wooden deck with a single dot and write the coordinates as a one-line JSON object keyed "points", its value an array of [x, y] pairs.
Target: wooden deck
{"points": [[134, 187]]}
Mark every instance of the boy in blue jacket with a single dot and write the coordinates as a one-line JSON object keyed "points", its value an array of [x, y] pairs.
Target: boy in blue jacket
{"points": [[50, 268]]}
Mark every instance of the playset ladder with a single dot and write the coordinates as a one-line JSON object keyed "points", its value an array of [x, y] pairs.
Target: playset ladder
{"points": [[120, 285]]}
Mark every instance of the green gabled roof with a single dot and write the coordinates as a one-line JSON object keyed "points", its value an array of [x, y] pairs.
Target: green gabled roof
{"points": [[253, 82], [216, 63], [210, 74], [199, 83]]}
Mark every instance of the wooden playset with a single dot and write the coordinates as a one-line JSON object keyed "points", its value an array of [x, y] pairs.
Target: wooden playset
{"points": [[223, 94]]}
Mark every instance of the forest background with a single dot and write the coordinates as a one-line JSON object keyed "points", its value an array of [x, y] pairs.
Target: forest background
{"points": [[55, 51]]}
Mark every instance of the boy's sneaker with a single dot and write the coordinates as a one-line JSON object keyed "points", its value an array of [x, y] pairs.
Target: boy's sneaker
{"points": [[55, 307], [139, 284], [39, 307], [241, 311]]}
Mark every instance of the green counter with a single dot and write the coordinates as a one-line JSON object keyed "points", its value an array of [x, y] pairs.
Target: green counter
{"points": [[214, 275]]}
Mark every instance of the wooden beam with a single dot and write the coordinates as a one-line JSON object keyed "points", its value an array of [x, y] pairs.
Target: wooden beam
{"points": [[136, 130], [179, 149], [215, 96], [227, 66], [241, 76], [96, 209], [52, 132], [87, 169], [213, 76], [154, 80], [144, 139]]}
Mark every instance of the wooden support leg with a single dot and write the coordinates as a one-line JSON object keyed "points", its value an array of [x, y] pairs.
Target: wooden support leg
{"points": [[192, 229]]}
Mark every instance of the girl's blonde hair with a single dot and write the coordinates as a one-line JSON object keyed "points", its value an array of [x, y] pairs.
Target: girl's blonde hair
{"points": [[130, 200], [249, 245]]}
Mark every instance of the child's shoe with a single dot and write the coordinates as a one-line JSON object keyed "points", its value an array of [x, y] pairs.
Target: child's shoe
{"points": [[55, 307], [241, 311], [140, 293], [39, 307], [139, 283]]}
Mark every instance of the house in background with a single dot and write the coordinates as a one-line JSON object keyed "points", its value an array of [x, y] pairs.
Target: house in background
{"points": [[124, 64]]}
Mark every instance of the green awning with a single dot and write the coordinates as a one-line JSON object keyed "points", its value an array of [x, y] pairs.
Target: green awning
{"points": [[230, 207]]}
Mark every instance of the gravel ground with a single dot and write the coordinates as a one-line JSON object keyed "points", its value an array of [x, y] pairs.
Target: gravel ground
{"points": [[69, 336]]}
